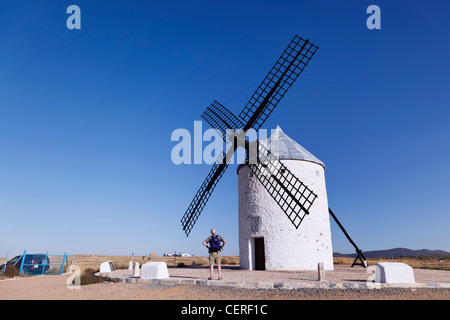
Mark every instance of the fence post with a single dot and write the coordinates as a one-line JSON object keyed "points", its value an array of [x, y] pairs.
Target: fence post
{"points": [[23, 260], [64, 261], [69, 268], [45, 261]]}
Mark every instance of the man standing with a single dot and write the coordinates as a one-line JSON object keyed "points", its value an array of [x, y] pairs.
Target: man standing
{"points": [[214, 248]]}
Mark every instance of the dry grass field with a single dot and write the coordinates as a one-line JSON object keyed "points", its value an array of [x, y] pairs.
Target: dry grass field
{"points": [[85, 261], [121, 262], [415, 263]]}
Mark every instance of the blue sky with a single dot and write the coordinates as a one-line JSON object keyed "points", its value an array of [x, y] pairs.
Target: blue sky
{"points": [[86, 118]]}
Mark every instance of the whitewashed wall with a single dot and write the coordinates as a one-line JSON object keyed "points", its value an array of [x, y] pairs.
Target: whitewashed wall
{"points": [[286, 248]]}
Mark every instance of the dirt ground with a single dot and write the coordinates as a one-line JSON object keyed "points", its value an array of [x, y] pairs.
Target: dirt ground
{"points": [[54, 288]]}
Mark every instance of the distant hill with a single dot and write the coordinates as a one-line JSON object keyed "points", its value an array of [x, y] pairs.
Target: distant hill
{"points": [[395, 252]]}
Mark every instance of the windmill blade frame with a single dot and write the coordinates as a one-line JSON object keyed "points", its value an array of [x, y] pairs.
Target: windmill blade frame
{"points": [[221, 119], [266, 97], [290, 193], [204, 192], [278, 81]]}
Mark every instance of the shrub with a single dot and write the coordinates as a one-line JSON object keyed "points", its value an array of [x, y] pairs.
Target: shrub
{"points": [[118, 266], [88, 277], [11, 271]]}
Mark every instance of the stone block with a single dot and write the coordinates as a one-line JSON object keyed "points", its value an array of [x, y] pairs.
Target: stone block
{"points": [[394, 272], [154, 270], [136, 270], [321, 272], [106, 266]]}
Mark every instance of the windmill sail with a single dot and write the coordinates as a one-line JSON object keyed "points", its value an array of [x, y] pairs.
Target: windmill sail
{"points": [[291, 194], [202, 196], [221, 119], [280, 78]]}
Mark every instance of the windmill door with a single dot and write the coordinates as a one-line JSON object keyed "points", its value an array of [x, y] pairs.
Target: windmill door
{"points": [[260, 258]]}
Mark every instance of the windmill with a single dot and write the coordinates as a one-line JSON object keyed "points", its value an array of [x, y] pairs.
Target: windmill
{"points": [[292, 195]]}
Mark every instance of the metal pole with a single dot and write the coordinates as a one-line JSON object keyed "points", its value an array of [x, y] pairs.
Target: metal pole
{"points": [[64, 261], [23, 260], [45, 260], [342, 228], [358, 252]]}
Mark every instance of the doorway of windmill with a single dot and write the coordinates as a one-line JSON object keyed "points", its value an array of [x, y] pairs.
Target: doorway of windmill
{"points": [[260, 258]]}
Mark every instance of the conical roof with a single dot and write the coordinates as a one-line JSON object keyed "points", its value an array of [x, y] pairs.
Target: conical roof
{"points": [[287, 147]]}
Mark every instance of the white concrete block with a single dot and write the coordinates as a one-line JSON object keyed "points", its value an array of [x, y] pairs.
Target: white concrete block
{"points": [[106, 266], [321, 271], [130, 265], [136, 270], [394, 272], [154, 270]]}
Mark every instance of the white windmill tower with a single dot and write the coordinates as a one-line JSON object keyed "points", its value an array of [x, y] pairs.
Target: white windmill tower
{"points": [[268, 241]]}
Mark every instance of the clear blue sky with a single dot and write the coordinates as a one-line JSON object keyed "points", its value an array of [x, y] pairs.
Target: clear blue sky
{"points": [[86, 118]]}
